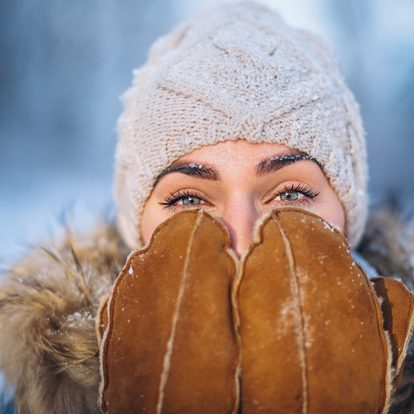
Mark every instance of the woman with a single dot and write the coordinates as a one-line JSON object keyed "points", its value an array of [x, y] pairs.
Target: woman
{"points": [[236, 113]]}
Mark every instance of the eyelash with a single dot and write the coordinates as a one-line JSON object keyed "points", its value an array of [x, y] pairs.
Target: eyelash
{"points": [[174, 198], [300, 188]]}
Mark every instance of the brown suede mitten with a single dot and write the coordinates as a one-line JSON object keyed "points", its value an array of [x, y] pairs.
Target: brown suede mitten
{"points": [[171, 343], [294, 327]]}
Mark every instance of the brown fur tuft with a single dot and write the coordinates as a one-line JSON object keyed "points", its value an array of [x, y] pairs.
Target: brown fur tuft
{"points": [[48, 303], [388, 243]]}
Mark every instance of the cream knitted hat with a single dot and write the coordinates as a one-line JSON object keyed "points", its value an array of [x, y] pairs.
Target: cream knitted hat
{"points": [[238, 71]]}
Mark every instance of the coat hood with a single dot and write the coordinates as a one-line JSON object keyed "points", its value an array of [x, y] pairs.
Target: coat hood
{"points": [[49, 299]]}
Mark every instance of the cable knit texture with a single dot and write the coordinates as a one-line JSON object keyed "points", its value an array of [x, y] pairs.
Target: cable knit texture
{"points": [[238, 71]]}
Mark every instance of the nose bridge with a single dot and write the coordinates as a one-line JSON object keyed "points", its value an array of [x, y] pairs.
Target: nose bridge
{"points": [[240, 215]]}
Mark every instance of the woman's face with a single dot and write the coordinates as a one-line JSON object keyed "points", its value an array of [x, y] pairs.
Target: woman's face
{"points": [[237, 182]]}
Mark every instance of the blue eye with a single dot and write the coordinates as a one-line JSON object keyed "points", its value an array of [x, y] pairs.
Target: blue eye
{"points": [[190, 200], [183, 199], [290, 196], [296, 193]]}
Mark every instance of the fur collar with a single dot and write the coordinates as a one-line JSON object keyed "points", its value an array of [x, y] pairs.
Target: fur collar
{"points": [[49, 299]]}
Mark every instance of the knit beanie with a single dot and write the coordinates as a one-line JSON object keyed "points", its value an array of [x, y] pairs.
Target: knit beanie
{"points": [[238, 71]]}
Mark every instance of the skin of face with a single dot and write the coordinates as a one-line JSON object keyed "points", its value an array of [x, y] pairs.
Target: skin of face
{"points": [[237, 182]]}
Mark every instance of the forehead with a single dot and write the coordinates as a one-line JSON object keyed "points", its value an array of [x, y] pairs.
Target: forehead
{"points": [[234, 151]]}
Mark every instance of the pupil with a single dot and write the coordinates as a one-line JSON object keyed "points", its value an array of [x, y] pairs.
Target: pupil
{"points": [[289, 196]]}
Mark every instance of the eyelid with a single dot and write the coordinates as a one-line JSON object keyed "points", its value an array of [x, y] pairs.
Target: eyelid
{"points": [[169, 202], [191, 190], [299, 187]]}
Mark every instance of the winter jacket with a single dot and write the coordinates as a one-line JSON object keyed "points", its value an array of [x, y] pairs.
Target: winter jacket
{"points": [[49, 299]]}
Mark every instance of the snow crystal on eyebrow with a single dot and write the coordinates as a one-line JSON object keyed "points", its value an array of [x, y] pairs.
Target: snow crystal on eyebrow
{"points": [[288, 157], [195, 165], [130, 270], [294, 157]]}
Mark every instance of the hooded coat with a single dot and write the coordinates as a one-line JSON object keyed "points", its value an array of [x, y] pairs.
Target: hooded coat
{"points": [[49, 351]]}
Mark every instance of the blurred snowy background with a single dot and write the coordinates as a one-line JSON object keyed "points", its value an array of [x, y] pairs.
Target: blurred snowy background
{"points": [[63, 65]]}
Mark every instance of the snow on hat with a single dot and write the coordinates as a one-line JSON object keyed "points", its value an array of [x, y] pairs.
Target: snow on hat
{"points": [[238, 71]]}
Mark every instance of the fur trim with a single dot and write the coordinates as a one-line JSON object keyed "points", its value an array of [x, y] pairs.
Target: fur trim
{"points": [[388, 242], [48, 303]]}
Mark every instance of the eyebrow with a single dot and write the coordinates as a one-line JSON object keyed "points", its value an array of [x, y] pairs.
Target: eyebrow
{"points": [[274, 163], [263, 167], [192, 169]]}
